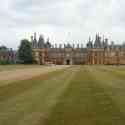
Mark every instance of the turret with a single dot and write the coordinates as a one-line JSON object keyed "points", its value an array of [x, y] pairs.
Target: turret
{"points": [[35, 36], [89, 44], [41, 42], [48, 44], [103, 42], [106, 43], [97, 43], [34, 41], [112, 45]]}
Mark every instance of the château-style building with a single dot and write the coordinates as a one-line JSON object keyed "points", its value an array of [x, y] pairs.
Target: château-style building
{"points": [[7, 55], [95, 52]]}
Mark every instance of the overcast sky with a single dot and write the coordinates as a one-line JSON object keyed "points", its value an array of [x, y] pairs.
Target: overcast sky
{"points": [[62, 20]]}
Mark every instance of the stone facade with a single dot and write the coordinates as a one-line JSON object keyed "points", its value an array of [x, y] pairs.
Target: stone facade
{"points": [[96, 52], [102, 53], [60, 56]]}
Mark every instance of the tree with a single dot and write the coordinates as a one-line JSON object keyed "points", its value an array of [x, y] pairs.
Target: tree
{"points": [[3, 48], [25, 52]]}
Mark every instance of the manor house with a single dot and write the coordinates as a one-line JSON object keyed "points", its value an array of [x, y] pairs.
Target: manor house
{"points": [[98, 52]]}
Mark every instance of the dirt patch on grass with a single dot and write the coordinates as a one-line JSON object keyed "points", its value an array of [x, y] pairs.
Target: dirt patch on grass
{"points": [[24, 74]]}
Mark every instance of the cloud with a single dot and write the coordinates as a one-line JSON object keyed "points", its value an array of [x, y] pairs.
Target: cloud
{"points": [[57, 19]]}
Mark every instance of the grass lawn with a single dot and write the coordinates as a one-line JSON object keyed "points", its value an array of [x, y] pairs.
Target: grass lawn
{"points": [[78, 95]]}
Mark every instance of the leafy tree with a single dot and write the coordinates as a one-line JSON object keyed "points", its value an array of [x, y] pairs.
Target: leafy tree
{"points": [[25, 52], [3, 48]]}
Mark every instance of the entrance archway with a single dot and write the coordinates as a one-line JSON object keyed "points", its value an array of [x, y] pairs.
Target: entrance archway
{"points": [[67, 62]]}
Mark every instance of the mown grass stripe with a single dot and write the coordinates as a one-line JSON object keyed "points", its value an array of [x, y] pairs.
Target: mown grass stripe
{"points": [[85, 102]]}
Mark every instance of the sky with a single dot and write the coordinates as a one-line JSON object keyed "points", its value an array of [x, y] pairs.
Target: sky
{"points": [[63, 21]]}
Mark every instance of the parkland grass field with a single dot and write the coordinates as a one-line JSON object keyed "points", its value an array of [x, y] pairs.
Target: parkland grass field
{"points": [[62, 95]]}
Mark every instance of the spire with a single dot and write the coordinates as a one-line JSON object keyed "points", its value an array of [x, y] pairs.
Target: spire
{"points": [[41, 42], [106, 42], [47, 40], [48, 44], [90, 44], [34, 41], [98, 43], [35, 36]]}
